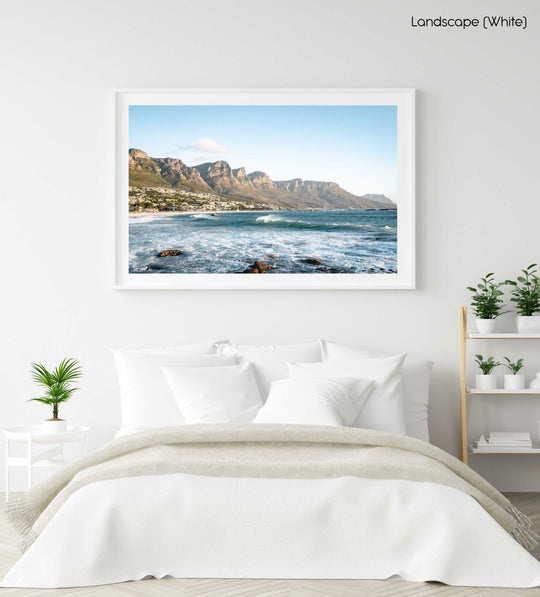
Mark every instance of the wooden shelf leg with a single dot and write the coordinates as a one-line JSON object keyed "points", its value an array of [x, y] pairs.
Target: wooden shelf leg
{"points": [[463, 384], [7, 470]]}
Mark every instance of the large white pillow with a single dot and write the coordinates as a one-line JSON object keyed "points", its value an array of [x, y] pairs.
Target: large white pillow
{"points": [[215, 395], [146, 399], [269, 361], [416, 382], [315, 401], [383, 409]]}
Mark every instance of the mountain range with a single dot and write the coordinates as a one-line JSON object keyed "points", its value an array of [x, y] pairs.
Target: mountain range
{"points": [[219, 178]]}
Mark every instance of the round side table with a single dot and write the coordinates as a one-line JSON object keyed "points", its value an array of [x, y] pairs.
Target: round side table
{"points": [[33, 436]]}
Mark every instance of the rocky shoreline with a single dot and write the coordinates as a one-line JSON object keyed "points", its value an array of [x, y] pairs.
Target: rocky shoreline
{"points": [[261, 267]]}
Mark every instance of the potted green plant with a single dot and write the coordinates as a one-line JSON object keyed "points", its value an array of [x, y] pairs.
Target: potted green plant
{"points": [[486, 380], [486, 303], [514, 380], [525, 295], [58, 388]]}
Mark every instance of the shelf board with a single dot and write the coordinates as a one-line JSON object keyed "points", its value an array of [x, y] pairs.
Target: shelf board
{"points": [[502, 392], [503, 336], [474, 451]]}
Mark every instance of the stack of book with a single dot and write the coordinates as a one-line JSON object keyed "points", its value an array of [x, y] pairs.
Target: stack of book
{"points": [[504, 441]]}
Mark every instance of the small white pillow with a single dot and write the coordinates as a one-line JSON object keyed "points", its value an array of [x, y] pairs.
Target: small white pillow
{"points": [[215, 395], [416, 382], [334, 402], [269, 361], [146, 399], [384, 407]]}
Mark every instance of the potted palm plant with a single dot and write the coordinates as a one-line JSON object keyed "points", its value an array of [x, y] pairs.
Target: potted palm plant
{"points": [[526, 296], [514, 380], [58, 388], [486, 303], [486, 380]]}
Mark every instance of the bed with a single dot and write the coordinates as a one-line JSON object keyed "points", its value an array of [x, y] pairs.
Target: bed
{"points": [[299, 461]]}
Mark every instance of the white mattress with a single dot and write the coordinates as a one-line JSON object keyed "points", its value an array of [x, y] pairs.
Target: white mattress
{"points": [[195, 526]]}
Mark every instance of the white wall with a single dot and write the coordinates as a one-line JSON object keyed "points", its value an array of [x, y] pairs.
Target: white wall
{"points": [[477, 180]]}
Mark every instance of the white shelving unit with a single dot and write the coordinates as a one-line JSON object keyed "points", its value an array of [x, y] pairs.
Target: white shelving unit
{"points": [[466, 393], [508, 451], [501, 392], [507, 336]]}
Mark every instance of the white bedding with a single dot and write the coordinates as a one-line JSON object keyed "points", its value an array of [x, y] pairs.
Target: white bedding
{"points": [[197, 526]]}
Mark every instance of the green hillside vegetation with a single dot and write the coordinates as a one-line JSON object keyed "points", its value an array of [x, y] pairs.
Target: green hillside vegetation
{"points": [[145, 178]]}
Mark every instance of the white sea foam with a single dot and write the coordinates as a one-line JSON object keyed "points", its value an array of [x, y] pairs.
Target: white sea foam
{"points": [[141, 219], [230, 243], [270, 218], [280, 220], [202, 217]]}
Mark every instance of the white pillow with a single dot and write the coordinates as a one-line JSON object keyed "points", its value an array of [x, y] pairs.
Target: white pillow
{"points": [[269, 361], [146, 399], [384, 407], [416, 381], [215, 395], [334, 402]]}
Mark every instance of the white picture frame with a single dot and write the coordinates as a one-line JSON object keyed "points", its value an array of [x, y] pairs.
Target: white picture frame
{"points": [[402, 99]]}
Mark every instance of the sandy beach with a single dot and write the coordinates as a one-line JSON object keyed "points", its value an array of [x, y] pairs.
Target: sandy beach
{"points": [[139, 214]]}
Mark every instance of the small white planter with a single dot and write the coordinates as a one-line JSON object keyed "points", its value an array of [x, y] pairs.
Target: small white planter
{"points": [[528, 324], [486, 382], [486, 326], [52, 426], [514, 382], [535, 383]]}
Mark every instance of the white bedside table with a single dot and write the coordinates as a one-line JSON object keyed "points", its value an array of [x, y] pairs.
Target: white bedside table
{"points": [[33, 435]]}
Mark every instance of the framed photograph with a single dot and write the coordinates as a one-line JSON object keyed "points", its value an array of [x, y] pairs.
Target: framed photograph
{"points": [[265, 188]]}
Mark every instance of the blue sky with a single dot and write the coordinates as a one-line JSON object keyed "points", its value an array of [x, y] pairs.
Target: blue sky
{"points": [[354, 146]]}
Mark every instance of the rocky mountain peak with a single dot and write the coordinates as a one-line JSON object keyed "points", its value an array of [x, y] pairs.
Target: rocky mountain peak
{"points": [[378, 197], [240, 175], [259, 176], [219, 177], [138, 154], [219, 168]]}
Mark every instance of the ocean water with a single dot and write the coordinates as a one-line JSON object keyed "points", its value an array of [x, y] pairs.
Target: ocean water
{"points": [[349, 241]]}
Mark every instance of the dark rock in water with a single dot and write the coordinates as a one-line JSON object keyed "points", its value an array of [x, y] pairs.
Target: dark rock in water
{"points": [[329, 270], [170, 253], [311, 261], [257, 267]]}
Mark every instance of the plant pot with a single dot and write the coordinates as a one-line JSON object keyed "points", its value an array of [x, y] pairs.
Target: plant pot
{"points": [[54, 426], [514, 382], [528, 324], [486, 382], [486, 326]]}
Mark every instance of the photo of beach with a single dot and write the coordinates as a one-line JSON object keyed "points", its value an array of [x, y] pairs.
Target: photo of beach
{"points": [[263, 189]]}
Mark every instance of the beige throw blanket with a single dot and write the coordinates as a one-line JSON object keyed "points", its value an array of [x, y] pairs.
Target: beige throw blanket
{"points": [[277, 451]]}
